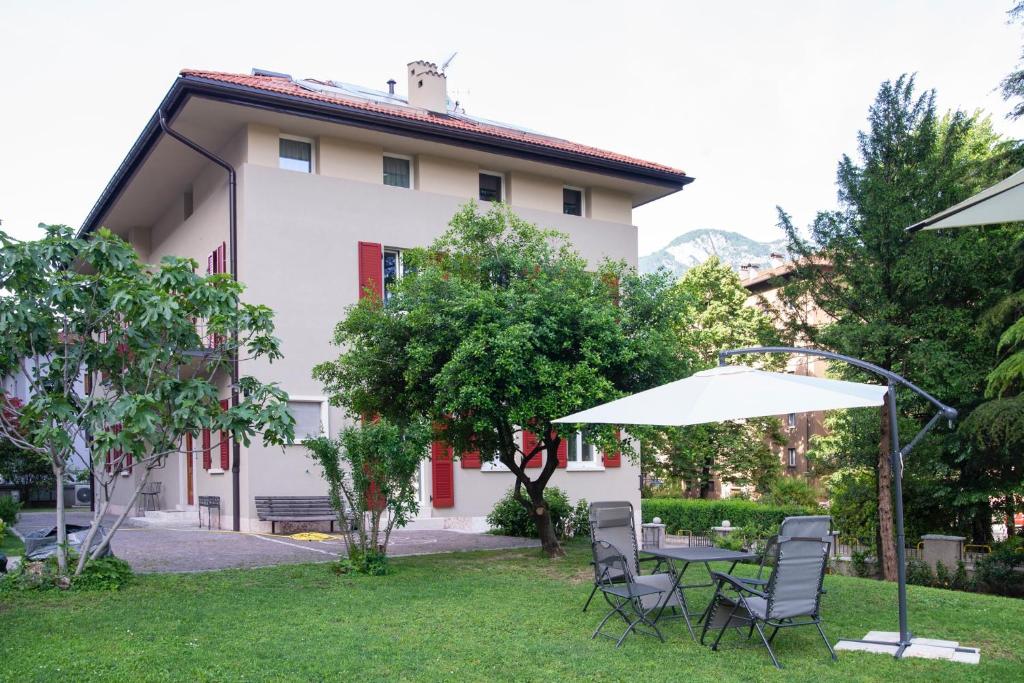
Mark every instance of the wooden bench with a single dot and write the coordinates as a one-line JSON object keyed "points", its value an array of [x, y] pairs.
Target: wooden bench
{"points": [[276, 509]]}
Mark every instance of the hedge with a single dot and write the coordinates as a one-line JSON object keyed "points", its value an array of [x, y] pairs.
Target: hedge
{"points": [[699, 516]]}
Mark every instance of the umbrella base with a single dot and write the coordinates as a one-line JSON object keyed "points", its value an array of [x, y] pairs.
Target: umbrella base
{"points": [[888, 642]]}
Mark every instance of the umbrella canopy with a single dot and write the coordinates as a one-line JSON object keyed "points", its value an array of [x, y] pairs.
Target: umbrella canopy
{"points": [[1001, 203], [730, 392]]}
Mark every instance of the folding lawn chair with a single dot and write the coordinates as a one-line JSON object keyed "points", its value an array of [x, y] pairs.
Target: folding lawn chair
{"points": [[804, 526], [791, 597], [613, 523], [623, 594]]}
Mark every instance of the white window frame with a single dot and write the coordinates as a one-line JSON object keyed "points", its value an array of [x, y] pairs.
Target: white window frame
{"points": [[578, 465], [791, 420], [324, 416], [399, 266], [504, 183], [312, 152], [791, 457], [412, 170], [583, 201]]}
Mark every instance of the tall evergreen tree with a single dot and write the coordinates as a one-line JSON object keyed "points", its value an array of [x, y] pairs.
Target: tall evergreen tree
{"points": [[909, 303]]}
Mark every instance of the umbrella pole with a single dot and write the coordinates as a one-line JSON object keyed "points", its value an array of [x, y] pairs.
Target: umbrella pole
{"points": [[901, 539]]}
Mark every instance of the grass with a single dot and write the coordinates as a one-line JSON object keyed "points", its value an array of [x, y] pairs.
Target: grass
{"points": [[498, 615], [10, 544]]}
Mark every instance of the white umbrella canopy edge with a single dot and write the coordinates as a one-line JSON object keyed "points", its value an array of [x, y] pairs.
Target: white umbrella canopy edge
{"points": [[1001, 203], [730, 392]]}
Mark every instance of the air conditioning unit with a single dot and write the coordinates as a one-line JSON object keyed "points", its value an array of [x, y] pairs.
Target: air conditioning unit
{"points": [[83, 495]]}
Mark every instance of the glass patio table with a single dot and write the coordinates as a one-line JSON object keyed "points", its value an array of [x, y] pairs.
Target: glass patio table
{"points": [[678, 560]]}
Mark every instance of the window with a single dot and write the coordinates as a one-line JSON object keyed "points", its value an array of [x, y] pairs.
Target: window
{"points": [[791, 420], [296, 154], [582, 454], [490, 187], [397, 171], [572, 201], [792, 457], [310, 413], [394, 268]]}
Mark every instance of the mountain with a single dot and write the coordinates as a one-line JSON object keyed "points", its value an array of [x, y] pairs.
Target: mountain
{"points": [[694, 247]]}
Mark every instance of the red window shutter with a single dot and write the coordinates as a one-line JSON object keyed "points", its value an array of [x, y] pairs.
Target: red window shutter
{"points": [[442, 475], [529, 443], [470, 460], [563, 453], [225, 451], [614, 459], [371, 269], [207, 455]]}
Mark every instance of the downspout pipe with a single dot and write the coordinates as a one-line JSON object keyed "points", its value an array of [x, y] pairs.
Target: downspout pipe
{"points": [[236, 507]]}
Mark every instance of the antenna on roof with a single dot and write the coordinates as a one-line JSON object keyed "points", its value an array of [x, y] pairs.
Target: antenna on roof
{"points": [[448, 61]]}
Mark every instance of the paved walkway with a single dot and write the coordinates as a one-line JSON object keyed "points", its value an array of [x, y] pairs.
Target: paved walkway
{"points": [[170, 549]]}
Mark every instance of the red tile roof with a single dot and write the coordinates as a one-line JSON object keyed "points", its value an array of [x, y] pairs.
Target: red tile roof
{"points": [[286, 86]]}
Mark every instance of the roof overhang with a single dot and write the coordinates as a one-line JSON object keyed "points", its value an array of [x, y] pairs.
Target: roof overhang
{"points": [[187, 86]]}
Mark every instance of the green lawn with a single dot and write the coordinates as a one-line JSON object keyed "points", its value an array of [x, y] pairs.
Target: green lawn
{"points": [[504, 615], [10, 544]]}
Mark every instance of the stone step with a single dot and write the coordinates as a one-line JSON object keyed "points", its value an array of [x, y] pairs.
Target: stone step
{"points": [[166, 518]]}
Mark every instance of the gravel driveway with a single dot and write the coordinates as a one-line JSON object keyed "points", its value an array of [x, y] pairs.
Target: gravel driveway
{"points": [[170, 549]]}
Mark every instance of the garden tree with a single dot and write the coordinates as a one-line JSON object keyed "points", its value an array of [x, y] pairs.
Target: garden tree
{"points": [[501, 327], [1013, 85], [908, 303], [993, 437], [371, 469], [110, 350], [714, 316]]}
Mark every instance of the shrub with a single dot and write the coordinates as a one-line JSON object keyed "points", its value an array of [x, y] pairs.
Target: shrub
{"points": [[9, 509], [699, 516], [510, 518], [751, 537], [919, 573], [999, 571], [791, 491], [105, 573], [369, 563], [861, 566], [853, 502]]}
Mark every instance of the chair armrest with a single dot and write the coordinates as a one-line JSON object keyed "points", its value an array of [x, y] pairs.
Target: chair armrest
{"points": [[753, 581], [737, 583]]}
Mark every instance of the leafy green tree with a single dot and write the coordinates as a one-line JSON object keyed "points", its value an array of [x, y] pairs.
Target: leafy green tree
{"points": [[992, 464], [1013, 85], [371, 469], [499, 327], [110, 349], [23, 467], [908, 303], [714, 316]]}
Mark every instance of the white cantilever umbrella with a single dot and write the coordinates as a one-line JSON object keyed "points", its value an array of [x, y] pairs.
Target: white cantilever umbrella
{"points": [[1001, 203], [730, 392]]}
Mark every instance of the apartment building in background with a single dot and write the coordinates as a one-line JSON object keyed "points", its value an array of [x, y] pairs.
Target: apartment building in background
{"points": [[334, 181], [797, 428]]}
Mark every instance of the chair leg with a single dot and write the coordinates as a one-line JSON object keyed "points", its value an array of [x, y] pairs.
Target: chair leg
{"points": [[768, 645], [771, 638], [827, 644], [592, 592]]}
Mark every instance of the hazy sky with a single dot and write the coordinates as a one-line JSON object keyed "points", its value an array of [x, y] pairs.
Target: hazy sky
{"points": [[756, 100]]}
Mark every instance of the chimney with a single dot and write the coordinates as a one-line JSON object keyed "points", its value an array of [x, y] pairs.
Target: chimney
{"points": [[427, 87], [391, 86], [776, 259]]}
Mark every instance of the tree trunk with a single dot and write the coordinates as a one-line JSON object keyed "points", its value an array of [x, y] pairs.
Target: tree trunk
{"points": [[886, 533], [707, 481], [62, 531], [541, 514]]}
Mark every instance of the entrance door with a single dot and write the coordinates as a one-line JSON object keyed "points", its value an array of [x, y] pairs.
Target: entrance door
{"points": [[189, 476]]}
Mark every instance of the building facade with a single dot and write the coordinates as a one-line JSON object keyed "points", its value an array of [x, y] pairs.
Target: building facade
{"points": [[333, 182], [797, 428]]}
